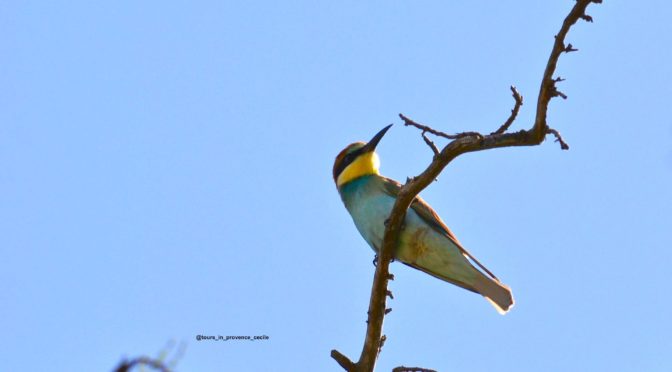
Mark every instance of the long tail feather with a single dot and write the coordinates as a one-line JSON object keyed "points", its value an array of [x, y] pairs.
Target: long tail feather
{"points": [[498, 294]]}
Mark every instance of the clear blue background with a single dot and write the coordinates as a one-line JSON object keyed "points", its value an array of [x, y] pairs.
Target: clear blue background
{"points": [[165, 171]]}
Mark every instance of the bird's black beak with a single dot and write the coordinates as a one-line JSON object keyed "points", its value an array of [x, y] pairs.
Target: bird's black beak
{"points": [[371, 145]]}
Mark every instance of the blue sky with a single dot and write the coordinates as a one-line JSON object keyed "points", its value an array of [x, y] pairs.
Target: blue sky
{"points": [[166, 172]]}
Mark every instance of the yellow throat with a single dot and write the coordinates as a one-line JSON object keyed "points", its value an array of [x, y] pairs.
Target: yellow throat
{"points": [[365, 164]]}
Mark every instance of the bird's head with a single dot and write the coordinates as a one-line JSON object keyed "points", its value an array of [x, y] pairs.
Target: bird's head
{"points": [[358, 159]]}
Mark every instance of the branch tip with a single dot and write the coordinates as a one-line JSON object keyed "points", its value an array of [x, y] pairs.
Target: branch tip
{"points": [[570, 48], [514, 111], [410, 122], [342, 360], [558, 138]]}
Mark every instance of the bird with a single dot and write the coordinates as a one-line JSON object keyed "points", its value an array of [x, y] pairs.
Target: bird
{"points": [[425, 242]]}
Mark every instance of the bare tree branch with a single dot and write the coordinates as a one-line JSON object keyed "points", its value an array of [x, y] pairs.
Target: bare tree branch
{"points": [[433, 131], [127, 365], [412, 369], [547, 89], [343, 361], [159, 363], [558, 138], [461, 143], [514, 112], [431, 144]]}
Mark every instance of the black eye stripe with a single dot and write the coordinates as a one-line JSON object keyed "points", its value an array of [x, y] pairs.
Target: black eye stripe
{"points": [[347, 160]]}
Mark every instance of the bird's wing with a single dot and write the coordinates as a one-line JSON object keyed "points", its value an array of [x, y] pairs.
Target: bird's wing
{"points": [[428, 215]]}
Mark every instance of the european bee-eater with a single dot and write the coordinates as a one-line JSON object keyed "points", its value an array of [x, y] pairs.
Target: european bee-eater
{"points": [[425, 243]]}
